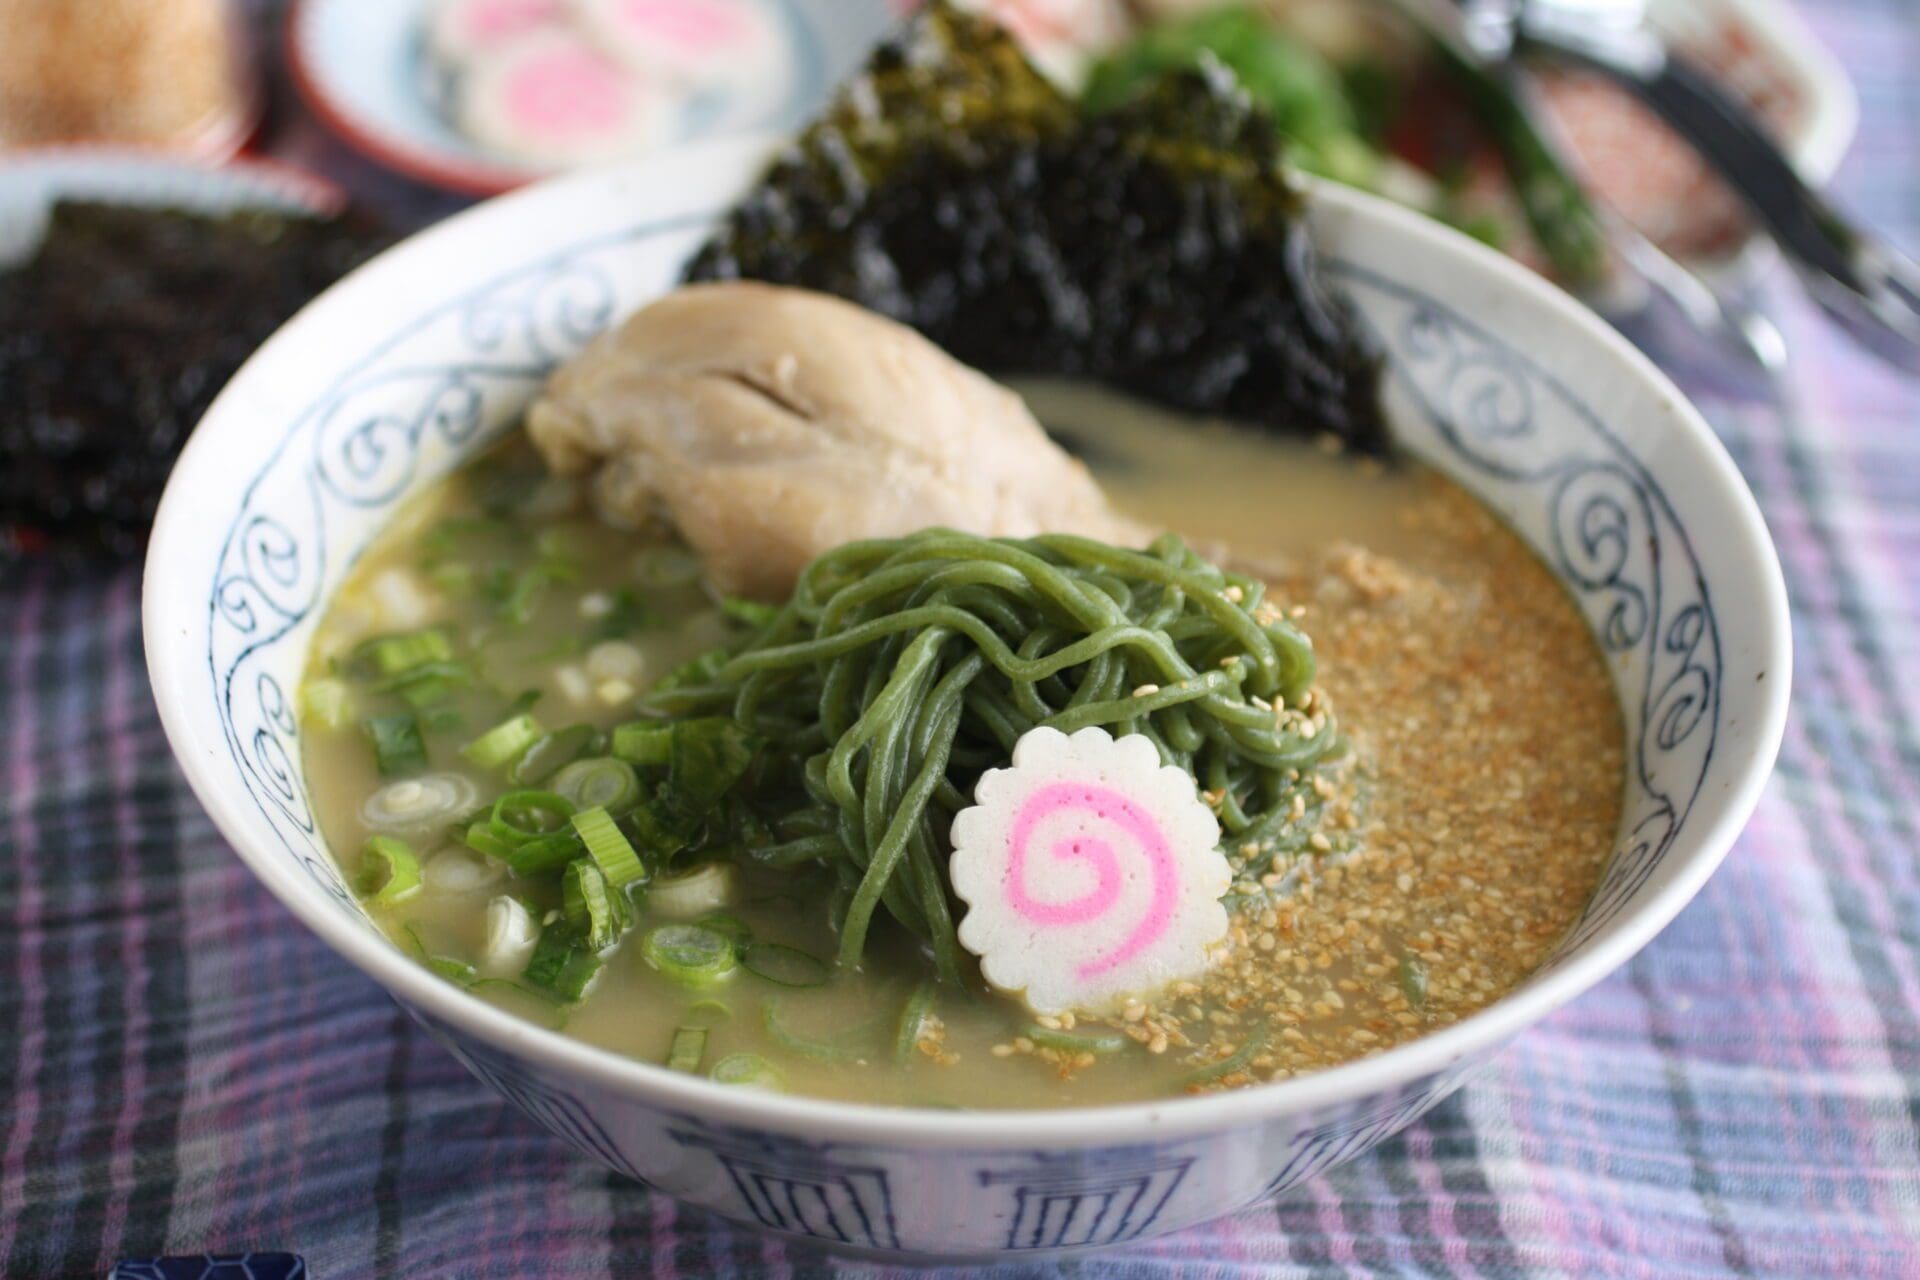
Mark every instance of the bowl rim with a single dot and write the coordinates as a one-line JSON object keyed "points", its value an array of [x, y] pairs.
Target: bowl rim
{"points": [[168, 619]]}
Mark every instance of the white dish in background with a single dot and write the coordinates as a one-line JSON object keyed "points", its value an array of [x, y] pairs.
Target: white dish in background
{"points": [[368, 73], [426, 355], [32, 181]]}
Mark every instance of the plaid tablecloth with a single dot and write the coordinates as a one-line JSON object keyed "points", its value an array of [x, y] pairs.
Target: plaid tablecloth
{"points": [[183, 1067]]}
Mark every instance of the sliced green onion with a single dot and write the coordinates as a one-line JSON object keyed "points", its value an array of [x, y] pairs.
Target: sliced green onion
{"points": [[548, 853], [562, 964], [328, 700], [689, 1046], [1413, 980], [913, 1021], [588, 904], [736, 929], [428, 684], [442, 720], [692, 893], [503, 744], [480, 839], [520, 816], [545, 757], [629, 613], [454, 579], [392, 655], [687, 953], [397, 746], [748, 1070], [1237, 1060], [707, 1013], [389, 872], [458, 972], [786, 966], [697, 670], [608, 848], [806, 1047], [599, 783], [750, 613], [643, 743], [525, 588], [1098, 1042]]}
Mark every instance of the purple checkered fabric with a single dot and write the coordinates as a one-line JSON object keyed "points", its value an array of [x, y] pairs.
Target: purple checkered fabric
{"points": [[184, 1068]]}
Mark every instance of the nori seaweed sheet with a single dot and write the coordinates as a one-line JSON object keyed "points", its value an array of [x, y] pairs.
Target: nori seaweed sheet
{"points": [[114, 338], [1156, 247]]}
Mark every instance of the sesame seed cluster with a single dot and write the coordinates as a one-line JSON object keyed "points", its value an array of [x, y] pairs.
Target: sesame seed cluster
{"points": [[1462, 837]]}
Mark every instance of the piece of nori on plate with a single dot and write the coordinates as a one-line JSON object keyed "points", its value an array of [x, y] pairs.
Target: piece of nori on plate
{"points": [[115, 336], [1157, 247]]}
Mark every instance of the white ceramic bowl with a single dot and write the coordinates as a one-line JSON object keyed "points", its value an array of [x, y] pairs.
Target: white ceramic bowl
{"points": [[419, 359]]}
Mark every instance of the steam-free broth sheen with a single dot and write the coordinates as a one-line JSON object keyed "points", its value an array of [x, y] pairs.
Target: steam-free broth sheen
{"points": [[1464, 833]]}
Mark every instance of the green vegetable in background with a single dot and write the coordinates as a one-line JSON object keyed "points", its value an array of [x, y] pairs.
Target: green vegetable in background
{"points": [[1300, 89], [1557, 209]]}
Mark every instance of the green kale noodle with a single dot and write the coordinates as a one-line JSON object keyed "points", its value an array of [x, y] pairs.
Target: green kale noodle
{"points": [[902, 668]]}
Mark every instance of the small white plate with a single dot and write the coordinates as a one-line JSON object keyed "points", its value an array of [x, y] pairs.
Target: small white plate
{"points": [[364, 71], [31, 181]]}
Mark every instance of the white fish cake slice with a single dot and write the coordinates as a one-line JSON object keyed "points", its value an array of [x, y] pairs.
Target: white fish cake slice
{"points": [[732, 58], [460, 31], [555, 101], [1091, 872]]}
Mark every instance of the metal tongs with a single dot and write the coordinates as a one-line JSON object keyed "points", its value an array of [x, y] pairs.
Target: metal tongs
{"points": [[1865, 285]]}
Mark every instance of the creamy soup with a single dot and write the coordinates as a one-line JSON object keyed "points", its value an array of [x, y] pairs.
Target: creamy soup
{"points": [[1453, 844]]}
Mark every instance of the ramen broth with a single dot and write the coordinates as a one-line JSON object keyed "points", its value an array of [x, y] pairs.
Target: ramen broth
{"points": [[1486, 763]]}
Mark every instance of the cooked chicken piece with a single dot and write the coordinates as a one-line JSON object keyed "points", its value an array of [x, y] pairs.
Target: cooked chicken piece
{"points": [[769, 424]]}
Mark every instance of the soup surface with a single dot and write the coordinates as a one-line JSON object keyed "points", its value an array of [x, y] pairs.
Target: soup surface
{"points": [[1467, 829]]}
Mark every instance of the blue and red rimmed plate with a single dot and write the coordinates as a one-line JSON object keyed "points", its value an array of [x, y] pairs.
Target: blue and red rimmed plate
{"points": [[367, 73]]}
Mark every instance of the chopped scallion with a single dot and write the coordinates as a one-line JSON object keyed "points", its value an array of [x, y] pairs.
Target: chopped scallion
{"points": [[427, 684], [731, 925], [481, 839], [913, 1021], [398, 748], [688, 1048], [548, 853], [458, 972], [599, 783], [1413, 980], [389, 872], [697, 670], [503, 744], [707, 1013], [1236, 1061], [521, 816], [748, 1070], [786, 966], [328, 700], [806, 1047], [642, 743], [750, 613], [687, 953], [393, 655], [545, 757], [562, 964], [608, 848], [588, 904], [1097, 1042]]}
